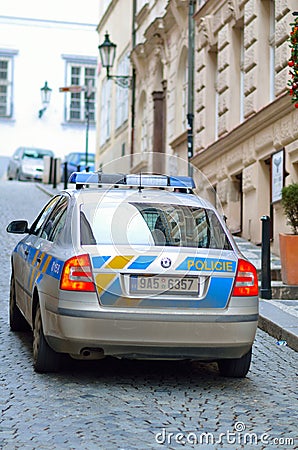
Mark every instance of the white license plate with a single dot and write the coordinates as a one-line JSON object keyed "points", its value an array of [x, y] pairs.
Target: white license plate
{"points": [[164, 285]]}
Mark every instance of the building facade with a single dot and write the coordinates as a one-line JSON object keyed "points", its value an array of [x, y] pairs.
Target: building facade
{"points": [[57, 45], [245, 134], [114, 102]]}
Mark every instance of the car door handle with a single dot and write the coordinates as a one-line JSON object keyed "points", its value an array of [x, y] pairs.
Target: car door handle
{"points": [[26, 252], [38, 259]]}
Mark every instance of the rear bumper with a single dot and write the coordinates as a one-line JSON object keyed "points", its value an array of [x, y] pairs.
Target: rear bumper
{"points": [[147, 335]]}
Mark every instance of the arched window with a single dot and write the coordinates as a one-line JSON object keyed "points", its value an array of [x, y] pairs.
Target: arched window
{"points": [[105, 111], [181, 93], [143, 124]]}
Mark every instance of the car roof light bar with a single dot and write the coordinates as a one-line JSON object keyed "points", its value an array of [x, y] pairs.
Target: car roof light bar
{"points": [[133, 180]]}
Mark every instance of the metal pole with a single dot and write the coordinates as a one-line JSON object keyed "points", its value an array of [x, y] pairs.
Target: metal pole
{"points": [[266, 291], [133, 85], [87, 128], [190, 114], [55, 174], [65, 175], [51, 171]]}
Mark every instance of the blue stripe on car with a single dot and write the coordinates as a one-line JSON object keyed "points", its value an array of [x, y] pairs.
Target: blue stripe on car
{"points": [[142, 262]]}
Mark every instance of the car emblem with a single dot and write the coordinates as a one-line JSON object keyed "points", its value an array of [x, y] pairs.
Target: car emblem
{"points": [[165, 263]]}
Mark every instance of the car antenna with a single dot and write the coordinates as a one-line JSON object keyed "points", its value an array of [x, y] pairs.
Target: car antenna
{"points": [[140, 185]]}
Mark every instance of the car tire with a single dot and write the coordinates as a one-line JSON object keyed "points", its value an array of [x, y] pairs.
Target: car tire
{"points": [[45, 359], [8, 176], [235, 368], [17, 321]]}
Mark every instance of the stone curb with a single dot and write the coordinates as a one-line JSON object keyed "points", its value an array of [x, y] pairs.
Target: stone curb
{"points": [[279, 324]]}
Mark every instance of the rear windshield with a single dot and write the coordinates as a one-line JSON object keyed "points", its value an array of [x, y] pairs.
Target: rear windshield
{"points": [[82, 159], [151, 224], [36, 154]]}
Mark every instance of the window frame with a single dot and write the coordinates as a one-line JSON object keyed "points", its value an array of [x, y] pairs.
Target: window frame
{"points": [[80, 79], [122, 93], [7, 83], [38, 224], [105, 111]]}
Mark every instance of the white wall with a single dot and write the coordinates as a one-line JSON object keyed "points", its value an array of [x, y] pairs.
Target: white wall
{"points": [[40, 33]]}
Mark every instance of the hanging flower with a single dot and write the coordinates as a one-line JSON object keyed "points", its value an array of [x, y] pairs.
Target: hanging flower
{"points": [[293, 63]]}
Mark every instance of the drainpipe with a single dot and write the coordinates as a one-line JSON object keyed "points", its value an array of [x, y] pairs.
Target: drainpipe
{"points": [[190, 106], [133, 84]]}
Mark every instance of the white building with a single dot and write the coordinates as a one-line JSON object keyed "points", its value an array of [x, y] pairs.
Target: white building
{"points": [[54, 42]]}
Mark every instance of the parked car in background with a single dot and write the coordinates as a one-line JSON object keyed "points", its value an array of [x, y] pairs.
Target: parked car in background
{"points": [[27, 164], [76, 161]]}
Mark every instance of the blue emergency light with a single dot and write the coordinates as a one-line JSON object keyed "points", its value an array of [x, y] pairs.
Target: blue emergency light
{"points": [[133, 180]]}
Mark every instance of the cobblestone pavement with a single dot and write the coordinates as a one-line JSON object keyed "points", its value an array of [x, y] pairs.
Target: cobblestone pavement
{"points": [[136, 405]]}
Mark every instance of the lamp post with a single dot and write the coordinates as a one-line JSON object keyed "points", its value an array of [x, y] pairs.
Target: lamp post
{"points": [[88, 93], [190, 108], [45, 92], [107, 53]]}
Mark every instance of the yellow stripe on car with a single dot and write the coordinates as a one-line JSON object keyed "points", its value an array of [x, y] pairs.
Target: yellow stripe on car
{"points": [[102, 280], [118, 262]]}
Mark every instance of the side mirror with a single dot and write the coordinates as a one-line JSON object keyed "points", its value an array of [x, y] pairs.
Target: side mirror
{"points": [[18, 227]]}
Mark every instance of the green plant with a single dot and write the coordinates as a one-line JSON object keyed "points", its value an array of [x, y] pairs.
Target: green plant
{"points": [[290, 204], [293, 63]]}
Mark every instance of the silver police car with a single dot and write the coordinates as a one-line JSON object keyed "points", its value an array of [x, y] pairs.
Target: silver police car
{"points": [[133, 266]]}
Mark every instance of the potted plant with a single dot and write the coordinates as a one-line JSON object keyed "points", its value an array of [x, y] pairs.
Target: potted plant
{"points": [[289, 242]]}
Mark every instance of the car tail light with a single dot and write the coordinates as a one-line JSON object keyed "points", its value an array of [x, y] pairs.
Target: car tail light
{"points": [[246, 282], [77, 274]]}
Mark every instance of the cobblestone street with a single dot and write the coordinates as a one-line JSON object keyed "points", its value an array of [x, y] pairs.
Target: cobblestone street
{"points": [[110, 405]]}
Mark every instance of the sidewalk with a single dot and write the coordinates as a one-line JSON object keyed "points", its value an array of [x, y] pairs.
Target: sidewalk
{"points": [[279, 316]]}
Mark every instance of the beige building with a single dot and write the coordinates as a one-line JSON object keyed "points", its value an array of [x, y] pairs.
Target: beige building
{"points": [[114, 110], [245, 126]]}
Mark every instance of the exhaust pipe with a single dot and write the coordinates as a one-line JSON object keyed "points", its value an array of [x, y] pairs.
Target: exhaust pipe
{"points": [[89, 354]]}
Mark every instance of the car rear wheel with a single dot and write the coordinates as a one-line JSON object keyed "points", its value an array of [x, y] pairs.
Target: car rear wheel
{"points": [[45, 359], [17, 321], [237, 367]]}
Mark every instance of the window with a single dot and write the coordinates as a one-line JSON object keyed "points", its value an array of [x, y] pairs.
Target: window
{"points": [[181, 94], [55, 221], [144, 133], [184, 98], [81, 74], [152, 224], [211, 107], [5, 86], [272, 51], [242, 75], [237, 66], [105, 112], [38, 223], [122, 93], [183, 226]]}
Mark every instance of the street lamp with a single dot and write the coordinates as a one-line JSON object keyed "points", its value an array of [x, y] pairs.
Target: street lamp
{"points": [[45, 92], [190, 106], [107, 52]]}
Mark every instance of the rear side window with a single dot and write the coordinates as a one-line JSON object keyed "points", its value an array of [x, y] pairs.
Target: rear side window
{"points": [[153, 225], [45, 213]]}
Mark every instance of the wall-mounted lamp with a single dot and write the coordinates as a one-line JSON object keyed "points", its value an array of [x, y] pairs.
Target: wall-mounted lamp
{"points": [[45, 92], [107, 52]]}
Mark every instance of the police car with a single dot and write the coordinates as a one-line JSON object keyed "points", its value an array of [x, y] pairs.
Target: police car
{"points": [[133, 266]]}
